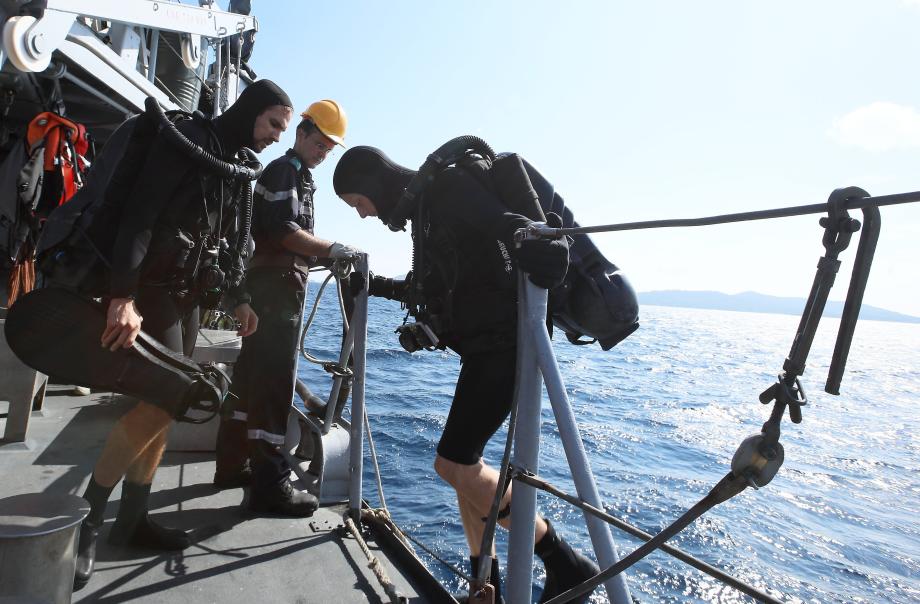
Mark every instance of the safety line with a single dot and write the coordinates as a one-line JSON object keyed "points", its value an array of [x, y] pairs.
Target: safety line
{"points": [[818, 208]]}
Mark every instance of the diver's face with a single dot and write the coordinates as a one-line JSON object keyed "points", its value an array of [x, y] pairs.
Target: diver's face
{"points": [[313, 148], [269, 126], [361, 203]]}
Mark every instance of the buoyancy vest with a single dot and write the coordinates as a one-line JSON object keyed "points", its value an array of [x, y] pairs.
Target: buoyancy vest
{"points": [[595, 300], [76, 245]]}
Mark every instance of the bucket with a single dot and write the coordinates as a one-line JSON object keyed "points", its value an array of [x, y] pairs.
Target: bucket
{"points": [[38, 544]]}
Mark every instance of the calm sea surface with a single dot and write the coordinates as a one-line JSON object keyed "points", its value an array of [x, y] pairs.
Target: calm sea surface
{"points": [[661, 416]]}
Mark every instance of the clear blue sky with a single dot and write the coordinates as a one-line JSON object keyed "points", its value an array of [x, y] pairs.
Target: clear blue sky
{"points": [[636, 111]]}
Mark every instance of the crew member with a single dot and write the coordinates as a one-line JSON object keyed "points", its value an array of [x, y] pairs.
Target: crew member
{"points": [[173, 201], [473, 282], [265, 373]]}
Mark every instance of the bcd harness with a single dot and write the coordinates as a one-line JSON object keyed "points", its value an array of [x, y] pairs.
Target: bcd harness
{"points": [[75, 245], [595, 300], [42, 172]]}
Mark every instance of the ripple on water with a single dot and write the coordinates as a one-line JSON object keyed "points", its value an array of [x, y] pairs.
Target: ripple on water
{"points": [[661, 415]]}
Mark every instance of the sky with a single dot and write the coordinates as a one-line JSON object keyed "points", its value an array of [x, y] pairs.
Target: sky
{"points": [[635, 111]]}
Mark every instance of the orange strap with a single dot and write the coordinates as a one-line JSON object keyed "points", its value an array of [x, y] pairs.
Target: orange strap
{"points": [[50, 126]]}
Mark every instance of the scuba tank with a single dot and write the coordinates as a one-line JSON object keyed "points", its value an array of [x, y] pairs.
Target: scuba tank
{"points": [[595, 299]]}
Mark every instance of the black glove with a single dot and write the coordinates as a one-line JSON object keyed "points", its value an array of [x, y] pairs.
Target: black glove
{"points": [[545, 260]]}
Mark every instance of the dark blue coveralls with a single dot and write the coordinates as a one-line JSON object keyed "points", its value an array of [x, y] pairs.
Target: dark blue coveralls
{"points": [[265, 373]]}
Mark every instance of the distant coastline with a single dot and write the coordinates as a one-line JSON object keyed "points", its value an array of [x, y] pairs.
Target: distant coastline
{"points": [[754, 302]]}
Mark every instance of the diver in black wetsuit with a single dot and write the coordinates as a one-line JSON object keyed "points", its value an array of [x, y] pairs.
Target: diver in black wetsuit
{"points": [[173, 201], [474, 285]]}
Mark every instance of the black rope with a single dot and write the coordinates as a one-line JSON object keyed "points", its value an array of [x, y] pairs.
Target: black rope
{"points": [[504, 481], [729, 486], [816, 208]]}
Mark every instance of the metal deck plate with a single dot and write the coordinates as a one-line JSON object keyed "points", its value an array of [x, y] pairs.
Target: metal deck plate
{"points": [[237, 557]]}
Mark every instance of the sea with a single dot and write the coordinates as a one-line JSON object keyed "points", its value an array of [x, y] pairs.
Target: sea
{"points": [[661, 415]]}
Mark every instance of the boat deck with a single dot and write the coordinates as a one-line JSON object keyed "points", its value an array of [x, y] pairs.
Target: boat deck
{"points": [[235, 557]]}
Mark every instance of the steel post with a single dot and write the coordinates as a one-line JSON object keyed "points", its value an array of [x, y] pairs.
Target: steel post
{"points": [[526, 450], [601, 537], [862, 264], [348, 345], [356, 453], [218, 69], [152, 57]]}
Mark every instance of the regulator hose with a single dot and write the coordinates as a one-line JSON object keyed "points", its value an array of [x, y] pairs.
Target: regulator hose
{"points": [[442, 157], [250, 170], [243, 173], [242, 242], [248, 159]]}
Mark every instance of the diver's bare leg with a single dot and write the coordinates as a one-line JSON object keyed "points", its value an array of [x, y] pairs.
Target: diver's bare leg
{"points": [[129, 439], [146, 464], [476, 485]]}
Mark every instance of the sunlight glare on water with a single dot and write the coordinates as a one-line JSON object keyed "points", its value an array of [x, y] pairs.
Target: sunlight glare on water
{"points": [[661, 416]]}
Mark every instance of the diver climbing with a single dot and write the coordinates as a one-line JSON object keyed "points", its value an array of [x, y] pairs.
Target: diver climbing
{"points": [[167, 234], [462, 294], [594, 299]]}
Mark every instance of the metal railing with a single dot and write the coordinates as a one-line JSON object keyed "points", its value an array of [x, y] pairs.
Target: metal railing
{"points": [[755, 463]]}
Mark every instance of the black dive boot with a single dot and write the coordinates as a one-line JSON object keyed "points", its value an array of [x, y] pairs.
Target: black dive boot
{"points": [[134, 527], [565, 567], [495, 580], [97, 496]]}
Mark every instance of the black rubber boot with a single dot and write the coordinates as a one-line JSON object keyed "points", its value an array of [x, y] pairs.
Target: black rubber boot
{"points": [[282, 500], [494, 581], [495, 577], [134, 527], [565, 567], [97, 496]]}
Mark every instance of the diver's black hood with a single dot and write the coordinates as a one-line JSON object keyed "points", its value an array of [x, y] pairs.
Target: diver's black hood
{"points": [[236, 125], [369, 172]]}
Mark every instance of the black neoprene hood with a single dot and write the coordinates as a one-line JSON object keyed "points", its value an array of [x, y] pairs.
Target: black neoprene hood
{"points": [[369, 172], [237, 124]]}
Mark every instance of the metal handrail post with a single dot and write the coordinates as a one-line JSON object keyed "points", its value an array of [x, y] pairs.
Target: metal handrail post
{"points": [[348, 346], [152, 57], [218, 68], [528, 389], [862, 264], [601, 537], [356, 448]]}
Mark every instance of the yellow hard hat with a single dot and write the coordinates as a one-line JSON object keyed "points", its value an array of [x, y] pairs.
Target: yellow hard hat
{"points": [[330, 118]]}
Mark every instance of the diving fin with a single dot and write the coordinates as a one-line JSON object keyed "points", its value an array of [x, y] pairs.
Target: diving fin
{"points": [[57, 332]]}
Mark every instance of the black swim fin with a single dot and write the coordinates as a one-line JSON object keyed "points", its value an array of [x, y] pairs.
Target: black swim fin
{"points": [[57, 332]]}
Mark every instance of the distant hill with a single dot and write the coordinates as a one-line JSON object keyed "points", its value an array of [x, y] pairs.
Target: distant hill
{"points": [[754, 302]]}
